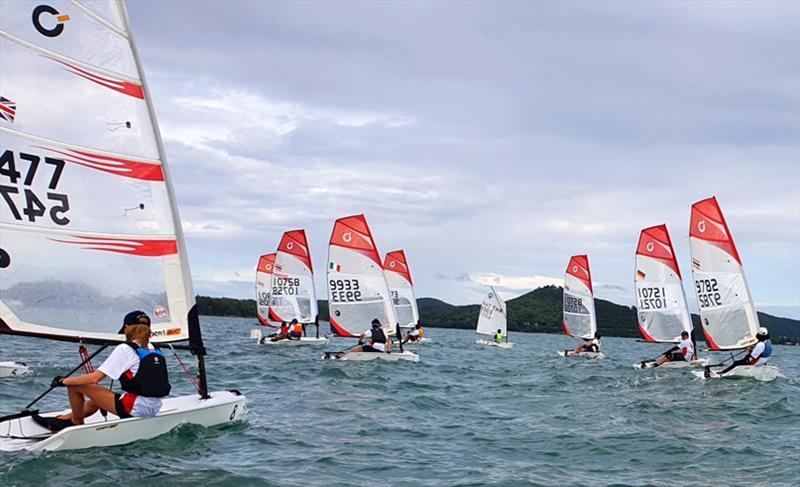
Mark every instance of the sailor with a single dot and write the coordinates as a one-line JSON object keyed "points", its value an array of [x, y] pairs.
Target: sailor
{"points": [[295, 330], [593, 345], [413, 335], [376, 340], [757, 355], [283, 333], [140, 368], [682, 351], [498, 337]]}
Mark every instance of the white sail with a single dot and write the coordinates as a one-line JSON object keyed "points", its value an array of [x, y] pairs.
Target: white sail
{"points": [[357, 289], [264, 287], [660, 299], [727, 312], [90, 226], [293, 295], [579, 315], [401, 287], [492, 316]]}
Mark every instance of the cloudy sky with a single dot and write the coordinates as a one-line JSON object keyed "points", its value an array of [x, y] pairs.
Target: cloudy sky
{"points": [[491, 141]]}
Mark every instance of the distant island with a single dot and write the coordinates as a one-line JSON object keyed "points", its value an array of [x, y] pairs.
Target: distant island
{"points": [[537, 311]]}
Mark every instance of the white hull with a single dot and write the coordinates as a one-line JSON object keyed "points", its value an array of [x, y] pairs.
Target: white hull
{"points": [[490, 343], [764, 373], [221, 408], [675, 364], [581, 354], [13, 369], [365, 356], [418, 342], [304, 341]]}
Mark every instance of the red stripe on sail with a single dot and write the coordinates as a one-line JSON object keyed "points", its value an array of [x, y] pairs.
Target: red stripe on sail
{"points": [[708, 224], [265, 263], [121, 86], [112, 165], [294, 242], [264, 322], [337, 329], [646, 335], [396, 262], [710, 341], [274, 316], [578, 267], [144, 248], [566, 328], [654, 242], [353, 233]]}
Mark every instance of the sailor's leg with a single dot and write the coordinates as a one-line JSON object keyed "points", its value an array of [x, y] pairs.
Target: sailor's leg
{"points": [[101, 398], [735, 364]]}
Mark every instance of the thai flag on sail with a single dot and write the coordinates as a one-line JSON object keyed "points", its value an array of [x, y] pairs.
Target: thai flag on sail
{"points": [[8, 109]]}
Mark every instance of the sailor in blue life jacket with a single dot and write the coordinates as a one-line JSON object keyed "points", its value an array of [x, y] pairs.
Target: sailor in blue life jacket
{"points": [[376, 340], [498, 337], [140, 368], [592, 345], [757, 355]]}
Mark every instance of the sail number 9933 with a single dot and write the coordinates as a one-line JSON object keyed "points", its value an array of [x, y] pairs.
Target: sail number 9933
{"points": [[344, 290], [33, 206]]}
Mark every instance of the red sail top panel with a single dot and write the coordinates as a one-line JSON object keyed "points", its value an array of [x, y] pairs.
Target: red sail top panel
{"points": [[579, 268], [708, 224], [352, 232], [396, 262], [654, 242], [265, 263], [294, 243]]}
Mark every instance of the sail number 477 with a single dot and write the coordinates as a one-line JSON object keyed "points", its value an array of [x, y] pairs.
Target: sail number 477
{"points": [[33, 205]]}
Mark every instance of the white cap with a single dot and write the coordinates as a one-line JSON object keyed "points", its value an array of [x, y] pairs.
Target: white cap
{"points": [[762, 331]]}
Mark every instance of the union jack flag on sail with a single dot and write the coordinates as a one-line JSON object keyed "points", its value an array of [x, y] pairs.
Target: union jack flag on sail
{"points": [[8, 109]]}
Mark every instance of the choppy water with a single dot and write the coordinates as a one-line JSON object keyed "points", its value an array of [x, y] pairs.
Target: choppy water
{"points": [[464, 415]]}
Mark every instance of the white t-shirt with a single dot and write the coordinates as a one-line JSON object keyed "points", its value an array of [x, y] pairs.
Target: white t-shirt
{"points": [[414, 333], [376, 345], [122, 359], [595, 341], [687, 349], [756, 354]]}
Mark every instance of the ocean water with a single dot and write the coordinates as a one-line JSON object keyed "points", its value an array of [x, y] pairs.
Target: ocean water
{"points": [[464, 415]]}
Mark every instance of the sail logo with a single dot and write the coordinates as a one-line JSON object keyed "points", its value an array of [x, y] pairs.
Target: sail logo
{"points": [[268, 267], [391, 264], [650, 246], [160, 312], [701, 226], [290, 246], [54, 31], [347, 237]]}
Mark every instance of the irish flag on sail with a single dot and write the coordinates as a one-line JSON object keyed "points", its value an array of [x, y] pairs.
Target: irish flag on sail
{"points": [[660, 298], [401, 287], [293, 295], [579, 316], [727, 312], [264, 286], [357, 289]]}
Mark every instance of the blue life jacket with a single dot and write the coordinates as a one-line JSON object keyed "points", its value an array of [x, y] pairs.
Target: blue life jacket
{"points": [[767, 349], [152, 379]]}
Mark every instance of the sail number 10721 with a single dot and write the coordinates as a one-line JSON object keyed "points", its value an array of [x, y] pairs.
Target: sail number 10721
{"points": [[32, 206]]}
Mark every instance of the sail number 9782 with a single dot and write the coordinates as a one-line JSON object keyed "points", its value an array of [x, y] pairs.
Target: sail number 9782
{"points": [[33, 205], [708, 294], [344, 290]]}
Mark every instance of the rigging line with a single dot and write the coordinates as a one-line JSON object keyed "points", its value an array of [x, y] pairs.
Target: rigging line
{"points": [[185, 370]]}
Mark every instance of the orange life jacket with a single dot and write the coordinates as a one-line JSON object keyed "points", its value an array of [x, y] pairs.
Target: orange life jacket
{"points": [[296, 328]]}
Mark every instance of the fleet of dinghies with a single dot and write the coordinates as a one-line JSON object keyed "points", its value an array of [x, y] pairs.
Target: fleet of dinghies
{"points": [[91, 199], [91, 223]]}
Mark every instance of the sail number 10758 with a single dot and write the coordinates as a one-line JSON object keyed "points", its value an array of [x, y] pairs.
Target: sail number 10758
{"points": [[33, 206]]}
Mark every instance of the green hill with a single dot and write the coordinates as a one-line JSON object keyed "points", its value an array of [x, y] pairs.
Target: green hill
{"points": [[536, 311]]}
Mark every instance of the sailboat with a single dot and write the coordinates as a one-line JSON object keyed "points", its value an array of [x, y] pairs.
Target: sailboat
{"points": [[264, 287], [580, 320], [90, 223], [293, 296], [492, 317], [401, 288], [727, 312], [661, 306], [357, 289], [13, 369]]}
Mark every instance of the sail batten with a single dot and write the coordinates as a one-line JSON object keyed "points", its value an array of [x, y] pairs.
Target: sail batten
{"points": [[727, 313], [579, 317], [662, 311]]}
